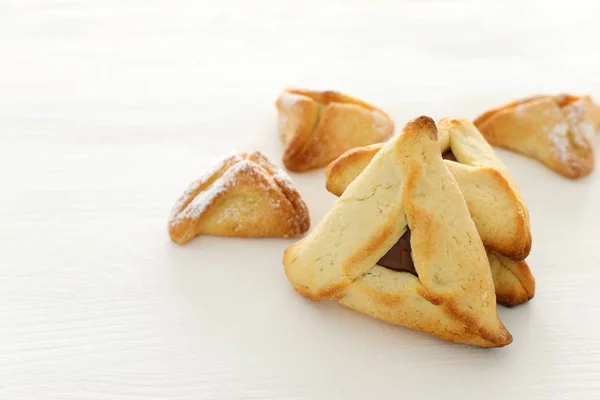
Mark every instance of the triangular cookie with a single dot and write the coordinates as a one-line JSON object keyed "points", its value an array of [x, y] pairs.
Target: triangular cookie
{"points": [[316, 127], [556, 130], [406, 186], [492, 196], [244, 195]]}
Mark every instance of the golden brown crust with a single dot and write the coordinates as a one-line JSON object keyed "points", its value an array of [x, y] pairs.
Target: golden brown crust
{"points": [[341, 172], [453, 297], [478, 172], [316, 127], [556, 130], [434, 316], [513, 280], [494, 202], [244, 195], [500, 215]]}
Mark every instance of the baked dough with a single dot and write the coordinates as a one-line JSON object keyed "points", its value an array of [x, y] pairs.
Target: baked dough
{"points": [[317, 127], [244, 195], [556, 130], [492, 196], [513, 280], [406, 186]]}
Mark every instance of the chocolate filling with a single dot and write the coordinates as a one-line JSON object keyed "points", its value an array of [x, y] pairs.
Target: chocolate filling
{"points": [[449, 155], [398, 257]]}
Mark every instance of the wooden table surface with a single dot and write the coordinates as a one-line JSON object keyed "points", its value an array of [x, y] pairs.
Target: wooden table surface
{"points": [[109, 108]]}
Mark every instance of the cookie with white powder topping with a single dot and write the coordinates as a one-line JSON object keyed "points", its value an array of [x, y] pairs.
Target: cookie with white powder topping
{"points": [[244, 195], [557, 130]]}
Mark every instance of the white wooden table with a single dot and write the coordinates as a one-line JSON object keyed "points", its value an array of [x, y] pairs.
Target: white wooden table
{"points": [[109, 108]]}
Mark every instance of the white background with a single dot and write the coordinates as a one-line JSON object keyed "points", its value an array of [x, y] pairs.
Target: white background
{"points": [[109, 108]]}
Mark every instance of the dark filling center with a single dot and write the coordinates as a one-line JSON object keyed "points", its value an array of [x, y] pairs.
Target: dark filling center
{"points": [[398, 257], [449, 155]]}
